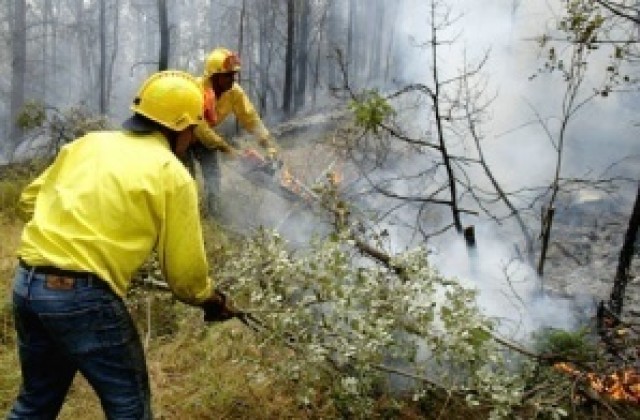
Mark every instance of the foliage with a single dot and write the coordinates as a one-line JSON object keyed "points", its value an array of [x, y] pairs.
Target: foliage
{"points": [[333, 327], [592, 28], [13, 179], [60, 127], [73, 123], [370, 110], [32, 115], [344, 321], [9, 195], [571, 345]]}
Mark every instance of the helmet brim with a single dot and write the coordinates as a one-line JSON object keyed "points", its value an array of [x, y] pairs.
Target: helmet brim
{"points": [[138, 124]]}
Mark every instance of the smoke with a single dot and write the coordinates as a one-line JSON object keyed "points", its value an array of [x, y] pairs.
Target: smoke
{"points": [[600, 134], [516, 145], [508, 289], [518, 148]]}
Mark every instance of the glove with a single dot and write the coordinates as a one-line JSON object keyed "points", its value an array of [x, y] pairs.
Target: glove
{"points": [[267, 142], [272, 153], [218, 308], [264, 140]]}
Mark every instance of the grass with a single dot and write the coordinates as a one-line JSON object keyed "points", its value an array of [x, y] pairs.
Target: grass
{"points": [[219, 371], [197, 371], [9, 375]]}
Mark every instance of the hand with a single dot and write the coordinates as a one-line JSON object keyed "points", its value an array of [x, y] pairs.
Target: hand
{"points": [[269, 144], [272, 153], [218, 308], [265, 141]]}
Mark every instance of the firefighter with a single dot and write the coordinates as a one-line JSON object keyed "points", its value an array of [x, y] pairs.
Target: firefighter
{"points": [[92, 218], [224, 96]]}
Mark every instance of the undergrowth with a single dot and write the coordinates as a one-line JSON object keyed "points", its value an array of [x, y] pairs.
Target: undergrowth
{"points": [[338, 337]]}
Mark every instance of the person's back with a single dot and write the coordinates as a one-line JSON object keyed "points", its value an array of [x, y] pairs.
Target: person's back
{"points": [[101, 206], [93, 217]]}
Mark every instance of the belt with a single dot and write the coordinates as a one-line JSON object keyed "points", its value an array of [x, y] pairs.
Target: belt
{"points": [[57, 278]]}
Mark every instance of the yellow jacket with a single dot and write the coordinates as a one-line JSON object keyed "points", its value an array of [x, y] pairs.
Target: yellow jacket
{"points": [[107, 200], [235, 101]]}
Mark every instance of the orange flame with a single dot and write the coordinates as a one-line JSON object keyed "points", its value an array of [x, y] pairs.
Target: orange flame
{"points": [[288, 181], [623, 385], [334, 178], [295, 186]]}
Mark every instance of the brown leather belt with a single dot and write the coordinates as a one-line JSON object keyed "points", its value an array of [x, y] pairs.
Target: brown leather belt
{"points": [[59, 279]]}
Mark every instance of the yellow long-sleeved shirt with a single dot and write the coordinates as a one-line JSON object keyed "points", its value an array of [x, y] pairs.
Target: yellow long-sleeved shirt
{"points": [[235, 101], [106, 201]]}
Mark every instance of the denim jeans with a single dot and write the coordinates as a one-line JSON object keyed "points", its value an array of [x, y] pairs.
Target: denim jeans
{"points": [[86, 328]]}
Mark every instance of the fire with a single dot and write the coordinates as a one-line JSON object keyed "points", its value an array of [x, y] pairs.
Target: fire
{"points": [[623, 385], [334, 178], [287, 180], [252, 157]]}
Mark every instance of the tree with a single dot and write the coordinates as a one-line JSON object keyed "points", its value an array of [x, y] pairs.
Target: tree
{"points": [[616, 301], [163, 21], [587, 27], [438, 172], [302, 54], [266, 47], [287, 91], [18, 71], [574, 74], [592, 25], [102, 75]]}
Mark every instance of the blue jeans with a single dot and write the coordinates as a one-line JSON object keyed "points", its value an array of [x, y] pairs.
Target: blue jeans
{"points": [[85, 328]]}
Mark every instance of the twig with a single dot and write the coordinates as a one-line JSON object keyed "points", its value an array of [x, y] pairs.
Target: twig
{"points": [[147, 338]]}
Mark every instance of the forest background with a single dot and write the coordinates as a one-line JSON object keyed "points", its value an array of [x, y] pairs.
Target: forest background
{"points": [[502, 116]]}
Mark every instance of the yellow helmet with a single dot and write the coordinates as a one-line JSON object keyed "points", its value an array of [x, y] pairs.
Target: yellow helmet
{"points": [[221, 60], [173, 99]]}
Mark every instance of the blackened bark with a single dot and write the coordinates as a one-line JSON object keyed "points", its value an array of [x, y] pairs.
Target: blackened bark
{"points": [[302, 41], [624, 262], [545, 235], [288, 72], [163, 19]]}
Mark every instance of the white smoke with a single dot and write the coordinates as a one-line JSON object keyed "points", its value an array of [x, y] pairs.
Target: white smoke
{"points": [[509, 290], [518, 150]]}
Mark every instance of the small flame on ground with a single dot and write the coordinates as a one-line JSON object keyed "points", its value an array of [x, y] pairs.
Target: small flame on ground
{"points": [[287, 180], [623, 385], [334, 178]]}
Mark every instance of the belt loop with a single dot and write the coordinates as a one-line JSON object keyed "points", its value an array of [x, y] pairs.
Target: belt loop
{"points": [[32, 271]]}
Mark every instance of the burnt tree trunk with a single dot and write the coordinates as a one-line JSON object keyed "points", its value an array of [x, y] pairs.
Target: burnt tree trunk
{"points": [[287, 93], [616, 299], [163, 20], [545, 236], [302, 47]]}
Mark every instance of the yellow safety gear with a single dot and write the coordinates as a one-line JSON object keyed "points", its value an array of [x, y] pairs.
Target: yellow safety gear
{"points": [[221, 60], [272, 153], [107, 200], [171, 98], [234, 101], [210, 139]]}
